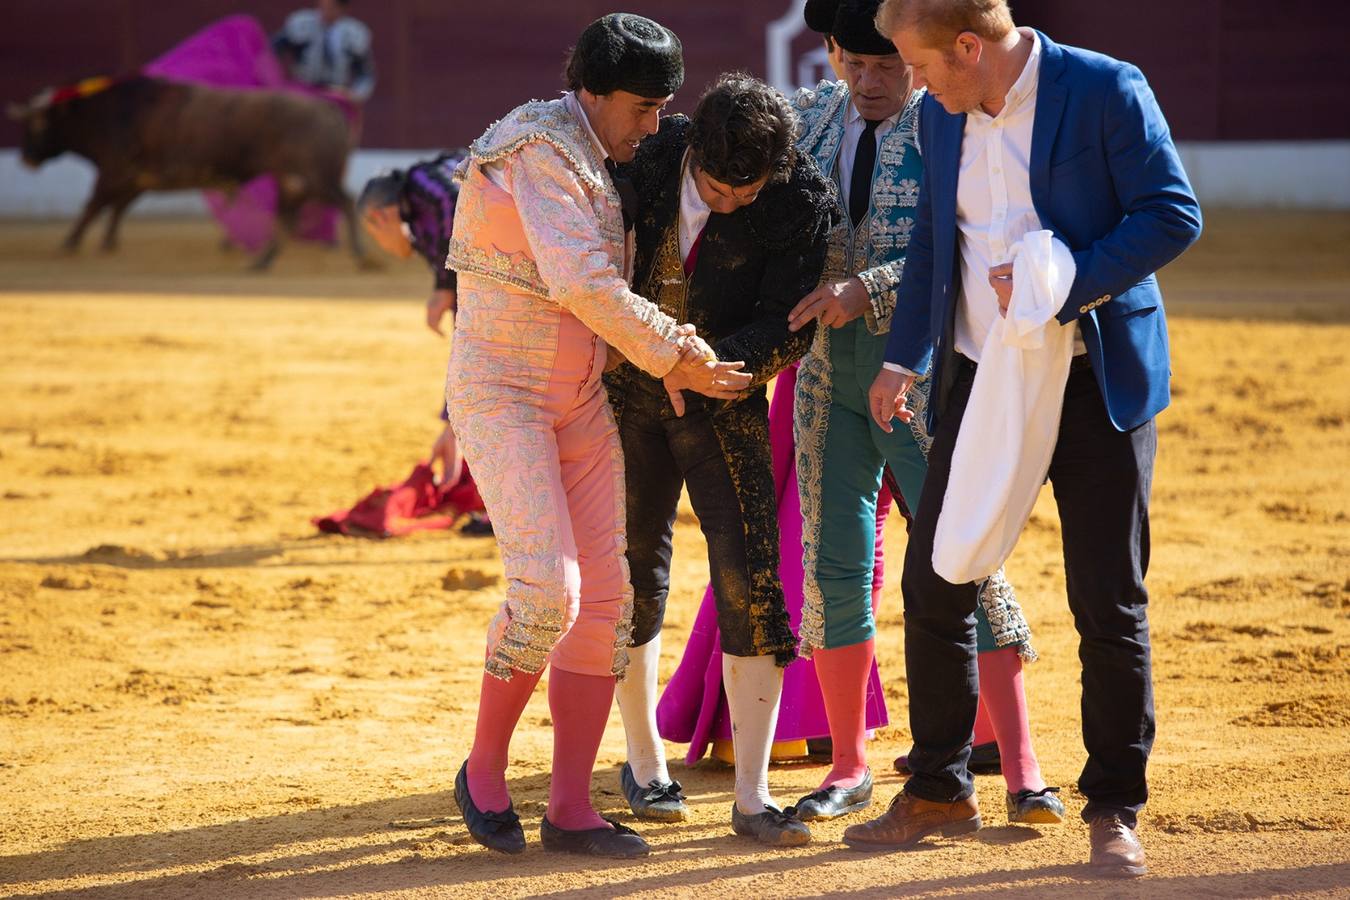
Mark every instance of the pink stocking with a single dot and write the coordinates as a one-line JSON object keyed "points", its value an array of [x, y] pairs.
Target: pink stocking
{"points": [[500, 704], [1001, 689], [580, 706], [842, 673], [984, 726]]}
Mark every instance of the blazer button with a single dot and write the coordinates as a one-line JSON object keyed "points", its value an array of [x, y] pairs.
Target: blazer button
{"points": [[1083, 309], [1106, 298]]}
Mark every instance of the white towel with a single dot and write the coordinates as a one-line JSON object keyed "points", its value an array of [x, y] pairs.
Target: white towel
{"points": [[1011, 422]]}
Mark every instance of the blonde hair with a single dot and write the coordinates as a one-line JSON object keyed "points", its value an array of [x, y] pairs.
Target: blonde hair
{"points": [[940, 21]]}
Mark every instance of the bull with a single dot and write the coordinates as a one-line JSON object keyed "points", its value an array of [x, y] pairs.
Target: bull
{"points": [[148, 134]]}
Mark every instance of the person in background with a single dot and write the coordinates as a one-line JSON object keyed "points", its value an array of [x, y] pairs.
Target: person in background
{"points": [[326, 48], [411, 211]]}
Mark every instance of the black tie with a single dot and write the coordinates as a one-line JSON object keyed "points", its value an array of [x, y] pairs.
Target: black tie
{"points": [[628, 197], [860, 184]]}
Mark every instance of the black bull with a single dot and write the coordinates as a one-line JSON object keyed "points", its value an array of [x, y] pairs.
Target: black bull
{"points": [[146, 134]]}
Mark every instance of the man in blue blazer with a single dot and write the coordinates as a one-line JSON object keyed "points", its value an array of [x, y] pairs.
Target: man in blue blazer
{"points": [[1020, 134]]}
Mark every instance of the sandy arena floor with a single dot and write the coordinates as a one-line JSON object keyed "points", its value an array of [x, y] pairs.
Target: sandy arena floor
{"points": [[200, 696]]}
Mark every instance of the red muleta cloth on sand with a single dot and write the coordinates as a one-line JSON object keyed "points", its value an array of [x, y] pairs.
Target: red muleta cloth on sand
{"points": [[417, 504]]}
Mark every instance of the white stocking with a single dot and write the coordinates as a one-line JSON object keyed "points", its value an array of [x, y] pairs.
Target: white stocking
{"points": [[637, 705], [754, 685]]}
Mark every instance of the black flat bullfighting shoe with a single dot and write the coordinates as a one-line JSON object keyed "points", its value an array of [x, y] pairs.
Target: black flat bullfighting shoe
{"points": [[1036, 807], [657, 801], [495, 830], [773, 827], [833, 801], [618, 842]]}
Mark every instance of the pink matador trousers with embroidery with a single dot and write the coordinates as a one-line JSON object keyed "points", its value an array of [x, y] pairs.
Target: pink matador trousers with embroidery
{"points": [[526, 400]]}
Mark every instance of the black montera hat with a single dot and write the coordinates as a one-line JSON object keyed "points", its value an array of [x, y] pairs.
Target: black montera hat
{"points": [[627, 52], [820, 15], [855, 29]]}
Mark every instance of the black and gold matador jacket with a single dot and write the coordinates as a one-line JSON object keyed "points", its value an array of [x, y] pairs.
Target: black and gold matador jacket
{"points": [[753, 265]]}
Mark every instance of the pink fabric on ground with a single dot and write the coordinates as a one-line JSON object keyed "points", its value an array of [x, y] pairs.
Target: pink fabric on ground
{"points": [[235, 53], [579, 705], [500, 704], [693, 707], [1001, 684], [843, 676]]}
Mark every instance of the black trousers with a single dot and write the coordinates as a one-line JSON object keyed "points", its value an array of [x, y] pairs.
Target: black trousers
{"points": [[1101, 478], [722, 453]]}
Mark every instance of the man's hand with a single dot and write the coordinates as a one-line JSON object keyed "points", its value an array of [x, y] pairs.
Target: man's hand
{"points": [[438, 304], [446, 451], [699, 370], [1000, 279], [886, 399], [833, 305], [694, 351]]}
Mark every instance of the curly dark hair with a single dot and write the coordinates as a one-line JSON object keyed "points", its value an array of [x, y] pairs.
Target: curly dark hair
{"points": [[742, 131]]}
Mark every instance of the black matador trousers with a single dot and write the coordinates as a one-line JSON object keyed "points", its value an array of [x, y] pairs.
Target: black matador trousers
{"points": [[721, 452]]}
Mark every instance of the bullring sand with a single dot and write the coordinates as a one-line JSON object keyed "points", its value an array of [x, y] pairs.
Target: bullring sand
{"points": [[201, 696]]}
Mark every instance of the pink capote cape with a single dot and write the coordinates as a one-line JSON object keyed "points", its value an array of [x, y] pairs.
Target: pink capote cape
{"points": [[236, 53]]}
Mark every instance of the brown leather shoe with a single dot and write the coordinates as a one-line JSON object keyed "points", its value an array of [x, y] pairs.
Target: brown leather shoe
{"points": [[1116, 851], [910, 819]]}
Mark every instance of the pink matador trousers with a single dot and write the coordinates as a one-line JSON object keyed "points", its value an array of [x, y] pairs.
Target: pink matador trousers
{"points": [[526, 400]]}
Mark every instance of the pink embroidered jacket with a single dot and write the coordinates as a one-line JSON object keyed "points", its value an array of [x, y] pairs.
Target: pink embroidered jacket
{"points": [[552, 240]]}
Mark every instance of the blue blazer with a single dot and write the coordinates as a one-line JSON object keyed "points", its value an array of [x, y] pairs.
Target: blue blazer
{"points": [[1106, 179]]}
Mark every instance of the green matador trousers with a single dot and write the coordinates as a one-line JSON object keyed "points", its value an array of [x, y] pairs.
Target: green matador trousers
{"points": [[840, 486]]}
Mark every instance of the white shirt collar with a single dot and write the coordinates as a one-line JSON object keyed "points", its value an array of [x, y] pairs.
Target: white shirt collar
{"points": [[694, 212], [574, 104], [1025, 85], [691, 202], [1024, 88]]}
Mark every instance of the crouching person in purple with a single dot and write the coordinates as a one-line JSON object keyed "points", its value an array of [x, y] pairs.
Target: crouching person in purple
{"points": [[407, 211]]}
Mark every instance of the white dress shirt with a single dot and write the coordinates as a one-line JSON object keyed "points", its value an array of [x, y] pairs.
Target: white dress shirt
{"points": [[854, 124], [993, 202], [693, 211]]}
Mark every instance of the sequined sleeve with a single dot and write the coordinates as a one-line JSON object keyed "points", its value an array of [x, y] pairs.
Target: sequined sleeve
{"points": [[766, 345], [883, 284], [569, 251]]}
